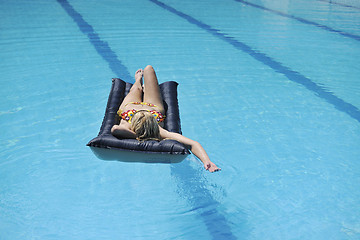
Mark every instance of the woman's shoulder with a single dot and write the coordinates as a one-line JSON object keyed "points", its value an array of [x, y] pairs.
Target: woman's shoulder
{"points": [[123, 130], [124, 124]]}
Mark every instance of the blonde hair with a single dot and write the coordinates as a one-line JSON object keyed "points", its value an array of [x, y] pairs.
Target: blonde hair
{"points": [[145, 126]]}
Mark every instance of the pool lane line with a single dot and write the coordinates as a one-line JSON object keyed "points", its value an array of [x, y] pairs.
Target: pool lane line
{"points": [[192, 186], [340, 4], [101, 46], [292, 75], [302, 20]]}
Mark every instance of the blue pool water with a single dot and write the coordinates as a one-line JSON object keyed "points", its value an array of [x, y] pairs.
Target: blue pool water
{"points": [[270, 88]]}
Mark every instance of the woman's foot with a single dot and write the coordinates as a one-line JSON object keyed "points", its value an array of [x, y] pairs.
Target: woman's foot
{"points": [[139, 76]]}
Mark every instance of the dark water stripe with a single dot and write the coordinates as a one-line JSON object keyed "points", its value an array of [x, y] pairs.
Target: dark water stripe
{"points": [[292, 75], [302, 20], [340, 4], [193, 188], [101, 46]]}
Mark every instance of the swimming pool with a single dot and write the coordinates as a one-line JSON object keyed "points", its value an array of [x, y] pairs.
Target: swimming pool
{"points": [[269, 88]]}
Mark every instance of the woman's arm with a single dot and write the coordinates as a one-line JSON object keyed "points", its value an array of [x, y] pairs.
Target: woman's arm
{"points": [[122, 131], [194, 147]]}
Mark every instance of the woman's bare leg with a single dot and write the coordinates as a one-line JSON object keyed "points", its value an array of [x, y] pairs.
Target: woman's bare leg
{"points": [[136, 92], [152, 90]]}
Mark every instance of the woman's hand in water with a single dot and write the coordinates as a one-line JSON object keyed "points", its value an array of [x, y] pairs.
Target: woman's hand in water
{"points": [[211, 167]]}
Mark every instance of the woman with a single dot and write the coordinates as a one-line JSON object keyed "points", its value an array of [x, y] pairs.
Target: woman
{"points": [[142, 114]]}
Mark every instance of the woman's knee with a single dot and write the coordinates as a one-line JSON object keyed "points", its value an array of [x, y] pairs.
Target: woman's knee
{"points": [[149, 68]]}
